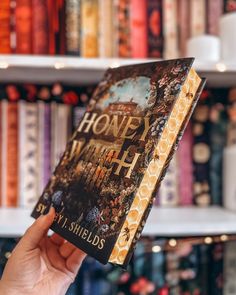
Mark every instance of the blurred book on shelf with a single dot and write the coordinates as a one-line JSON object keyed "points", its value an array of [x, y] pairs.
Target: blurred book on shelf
{"points": [[188, 268], [35, 124], [43, 117]]}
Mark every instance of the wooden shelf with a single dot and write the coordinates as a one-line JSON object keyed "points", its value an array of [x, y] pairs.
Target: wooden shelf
{"points": [[162, 222], [47, 69]]}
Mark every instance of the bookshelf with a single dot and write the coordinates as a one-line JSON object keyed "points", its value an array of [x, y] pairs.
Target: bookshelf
{"points": [[162, 222], [47, 69]]}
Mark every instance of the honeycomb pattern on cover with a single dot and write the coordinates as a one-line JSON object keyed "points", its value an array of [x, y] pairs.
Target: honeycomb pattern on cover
{"points": [[153, 172]]}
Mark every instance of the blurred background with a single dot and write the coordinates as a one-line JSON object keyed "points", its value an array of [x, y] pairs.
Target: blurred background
{"points": [[52, 55]]}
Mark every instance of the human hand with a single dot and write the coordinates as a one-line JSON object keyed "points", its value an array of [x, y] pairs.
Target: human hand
{"points": [[40, 264]]}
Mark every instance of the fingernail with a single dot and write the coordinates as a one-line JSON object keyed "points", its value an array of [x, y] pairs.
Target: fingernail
{"points": [[51, 211]]}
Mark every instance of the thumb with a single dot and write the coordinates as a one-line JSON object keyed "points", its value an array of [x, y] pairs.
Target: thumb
{"points": [[37, 231]]}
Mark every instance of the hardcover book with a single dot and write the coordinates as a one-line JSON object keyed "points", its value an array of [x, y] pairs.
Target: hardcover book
{"points": [[105, 182]]}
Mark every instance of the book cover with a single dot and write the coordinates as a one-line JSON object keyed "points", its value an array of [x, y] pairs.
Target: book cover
{"points": [[72, 26], [155, 33], [5, 32], [23, 16], [89, 28], [103, 187], [138, 32]]}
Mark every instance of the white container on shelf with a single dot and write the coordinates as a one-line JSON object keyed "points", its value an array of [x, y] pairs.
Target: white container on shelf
{"points": [[204, 48], [228, 36], [229, 182]]}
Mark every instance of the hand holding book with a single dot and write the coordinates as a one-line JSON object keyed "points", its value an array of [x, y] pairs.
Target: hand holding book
{"points": [[41, 264]]}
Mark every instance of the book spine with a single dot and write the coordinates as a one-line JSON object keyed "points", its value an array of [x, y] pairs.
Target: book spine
{"points": [[47, 144], [54, 133], [73, 27], [123, 28], [154, 38], [40, 138], [78, 113], [215, 10], [229, 287], [5, 31], [229, 188], [172, 267], [3, 118], [62, 28], [216, 267], [21, 146], [13, 26], [1, 141], [168, 192], [171, 49], [183, 24], [201, 155], [62, 121], [12, 155], [229, 5], [218, 127], [105, 8], [198, 17], [40, 27], [29, 176], [52, 11], [138, 22], [185, 159], [23, 14], [89, 28], [204, 270]]}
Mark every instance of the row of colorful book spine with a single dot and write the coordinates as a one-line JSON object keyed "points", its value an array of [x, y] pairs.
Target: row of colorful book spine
{"points": [[35, 125], [36, 122], [196, 174], [107, 28]]}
